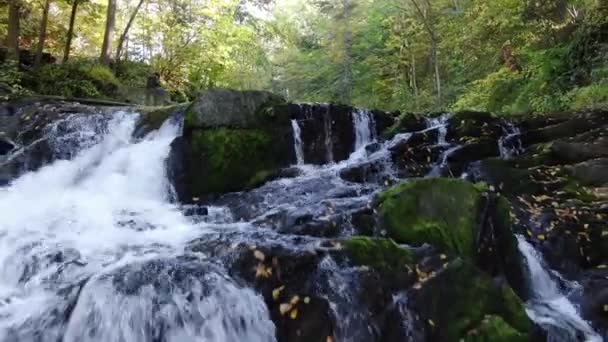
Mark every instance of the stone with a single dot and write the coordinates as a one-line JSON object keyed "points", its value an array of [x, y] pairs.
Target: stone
{"points": [[228, 108], [592, 172]]}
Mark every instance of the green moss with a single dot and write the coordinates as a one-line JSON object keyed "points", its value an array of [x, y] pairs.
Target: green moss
{"points": [[495, 329], [461, 297], [153, 117], [439, 211], [576, 190], [232, 157], [382, 254]]}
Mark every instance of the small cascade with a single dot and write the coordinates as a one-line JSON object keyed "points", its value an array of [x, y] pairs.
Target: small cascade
{"points": [[363, 123], [438, 169], [297, 142], [548, 306], [509, 144], [440, 123], [329, 145]]}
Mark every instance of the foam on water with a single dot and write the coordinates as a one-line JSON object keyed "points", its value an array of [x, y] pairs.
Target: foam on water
{"points": [[75, 220], [549, 306]]}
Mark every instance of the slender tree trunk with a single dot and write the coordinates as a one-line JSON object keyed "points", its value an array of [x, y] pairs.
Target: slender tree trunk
{"points": [[347, 74], [437, 74], [70, 34], [413, 76], [125, 33], [425, 17], [12, 39], [42, 34], [106, 47]]}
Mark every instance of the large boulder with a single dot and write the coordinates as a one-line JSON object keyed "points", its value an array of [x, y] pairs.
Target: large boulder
{"points": [[440, 211], [458, 217], [228, 108]]}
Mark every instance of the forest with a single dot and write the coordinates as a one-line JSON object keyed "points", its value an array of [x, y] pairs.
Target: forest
{"points": [[503, 56]]}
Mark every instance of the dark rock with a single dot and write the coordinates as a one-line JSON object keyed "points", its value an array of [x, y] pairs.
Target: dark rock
{"points": [[5, 147], [363, 173], [592, 172], [575, 152], [577, 124], [195, 210], [444, 305], [327, 132]]}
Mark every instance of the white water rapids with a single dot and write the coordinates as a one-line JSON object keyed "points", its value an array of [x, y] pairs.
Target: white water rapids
{"points": [[104, 218]]}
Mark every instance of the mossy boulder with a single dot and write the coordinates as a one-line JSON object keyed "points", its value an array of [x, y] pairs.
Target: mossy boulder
{"points": [[440, 211], [152, 117], [383, 255], [232, 140], [231, 158], [461, 302]]}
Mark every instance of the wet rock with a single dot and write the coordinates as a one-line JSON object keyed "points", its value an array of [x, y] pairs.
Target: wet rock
{"points": [[407, 122], [327, 132], [444, 303], [152, 118], [5, 146], [367, 172], [463, 125], [285, 280], [593, 172], [195, 210]]}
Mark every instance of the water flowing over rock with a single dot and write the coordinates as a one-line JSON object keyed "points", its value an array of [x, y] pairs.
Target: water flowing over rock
{"points": [[300, 223]]}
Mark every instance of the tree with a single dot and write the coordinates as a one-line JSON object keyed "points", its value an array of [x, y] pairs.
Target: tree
{"points": [[106, 46], [425, 15], [42, 34], [125, 32], [12, 41], [70, 34]]}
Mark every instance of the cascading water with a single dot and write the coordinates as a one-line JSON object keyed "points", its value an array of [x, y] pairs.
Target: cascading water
{"points": [[329, 145], [549, 306], [510, 144], [92, 250], [364, 128], [441, 124], [297, 141]]}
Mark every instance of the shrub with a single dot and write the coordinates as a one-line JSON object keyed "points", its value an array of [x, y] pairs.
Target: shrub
{"points": [[80, 78], [592, 96]]}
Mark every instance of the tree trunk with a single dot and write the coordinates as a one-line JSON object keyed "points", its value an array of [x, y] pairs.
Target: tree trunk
{"points": [[42, 34], [70, 34], [124, 34], [12, 40], [106, 47], [347, 73], [437, 74]]}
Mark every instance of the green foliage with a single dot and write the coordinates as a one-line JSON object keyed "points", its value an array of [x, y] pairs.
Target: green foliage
{"points": [[10, 80], [594, 96], [76, 79], [132, 73]]}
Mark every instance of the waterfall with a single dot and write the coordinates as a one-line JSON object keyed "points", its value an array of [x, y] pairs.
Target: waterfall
{"points": [[297, 142], [329, 145], [510, 144], [549, 307], [92, 249], [364, 128], [440, 123]]}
